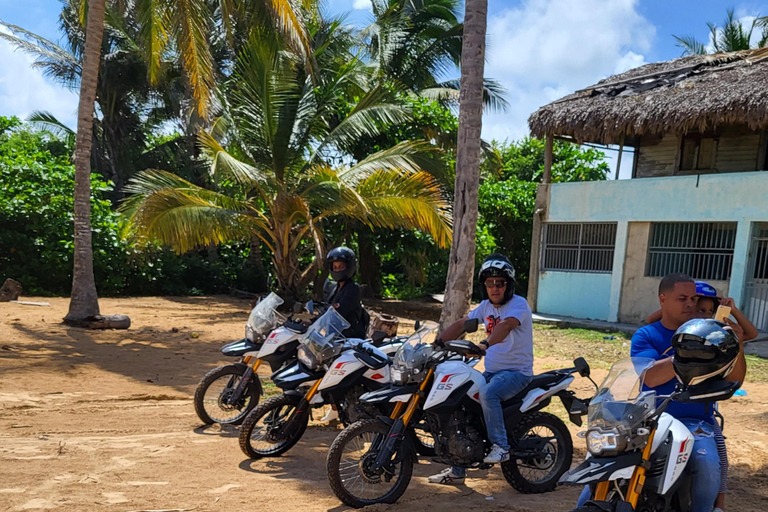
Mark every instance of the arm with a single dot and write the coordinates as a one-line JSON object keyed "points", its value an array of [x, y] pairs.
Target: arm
{"points": [[454, 330], [662, 371], [750, 331], [502, 330], [653, 317], [740, 367], [348, 301]]}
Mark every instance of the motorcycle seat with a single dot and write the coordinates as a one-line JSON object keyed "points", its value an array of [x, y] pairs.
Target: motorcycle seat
{"points": [[543, 380]]}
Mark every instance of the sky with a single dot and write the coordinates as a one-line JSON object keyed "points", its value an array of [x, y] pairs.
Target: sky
{"points": [[540, 50]]}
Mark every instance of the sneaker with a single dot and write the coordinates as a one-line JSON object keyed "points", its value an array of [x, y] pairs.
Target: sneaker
{"points": [[446, 477], [498, 454], [330, 416], [717, 509]]}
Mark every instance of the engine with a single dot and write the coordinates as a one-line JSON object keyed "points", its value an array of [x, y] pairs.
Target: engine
{"points": [[461, 441]]}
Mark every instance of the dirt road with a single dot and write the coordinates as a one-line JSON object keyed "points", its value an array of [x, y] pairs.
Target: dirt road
{"points": [[103, 421]]}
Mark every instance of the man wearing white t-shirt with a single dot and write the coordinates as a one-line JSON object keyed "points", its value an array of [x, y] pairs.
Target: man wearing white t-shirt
{"points": [[508, 354]]}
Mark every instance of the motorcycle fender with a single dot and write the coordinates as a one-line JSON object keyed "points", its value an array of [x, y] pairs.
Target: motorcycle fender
{"points": [[243, 347], [535, 396], [390, 394], [275, 340], [600, 469], [293, 392], [341, 368], [294, 375]]}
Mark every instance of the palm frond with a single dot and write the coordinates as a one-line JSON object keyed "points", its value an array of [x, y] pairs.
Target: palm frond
{"points": [[154, 20], [411, 201], [190, 19], [690, 45], [226, 164], [291, 25], [45, 121], [184, 216], [447, 93], [405, 157], [56, 63]]}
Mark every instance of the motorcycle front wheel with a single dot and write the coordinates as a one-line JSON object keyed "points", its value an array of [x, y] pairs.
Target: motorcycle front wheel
{"points": [[214, 391], [351, 457], [544, 453], [262, 432]]}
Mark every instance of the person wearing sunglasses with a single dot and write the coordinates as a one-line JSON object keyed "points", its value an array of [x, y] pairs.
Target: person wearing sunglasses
{"points": [[508, 354]]}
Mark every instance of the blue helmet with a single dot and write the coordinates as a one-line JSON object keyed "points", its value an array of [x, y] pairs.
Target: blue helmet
{"points": [[705, 290]]}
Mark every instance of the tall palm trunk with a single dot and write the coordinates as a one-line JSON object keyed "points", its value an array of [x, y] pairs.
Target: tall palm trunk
{"points": [[84, 301], [461, 266]]}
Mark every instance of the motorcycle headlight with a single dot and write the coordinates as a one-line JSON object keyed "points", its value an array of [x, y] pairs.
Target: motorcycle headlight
{"points": [[307, 358], [601, 442], [399, 376]]}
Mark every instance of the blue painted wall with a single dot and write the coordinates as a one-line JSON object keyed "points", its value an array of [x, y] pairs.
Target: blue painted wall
{"points": [[578, 294]]}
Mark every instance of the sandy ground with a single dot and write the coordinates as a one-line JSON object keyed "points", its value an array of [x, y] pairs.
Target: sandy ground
{"points": [[103, 421]]}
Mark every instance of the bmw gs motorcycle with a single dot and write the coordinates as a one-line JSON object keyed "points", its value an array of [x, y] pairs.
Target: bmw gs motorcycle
{"points": [[637, 453], [371, 461], [321, 375], [228, 393]]}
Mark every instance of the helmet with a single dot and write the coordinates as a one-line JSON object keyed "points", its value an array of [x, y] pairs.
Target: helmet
{"points": [[704, 348], [497, 265], [346, 255]]}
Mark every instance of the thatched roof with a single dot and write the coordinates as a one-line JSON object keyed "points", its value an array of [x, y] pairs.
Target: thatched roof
{"points": [[694, 93]]}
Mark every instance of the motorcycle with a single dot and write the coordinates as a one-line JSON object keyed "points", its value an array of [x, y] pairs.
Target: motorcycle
{"points": [[637, 453], [228, 393], [371, 461]]}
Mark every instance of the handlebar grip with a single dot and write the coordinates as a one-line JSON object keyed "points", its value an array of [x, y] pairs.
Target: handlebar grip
{"points": [[439, 342]]}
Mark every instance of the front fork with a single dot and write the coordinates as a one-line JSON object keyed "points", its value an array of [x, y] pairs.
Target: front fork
{"points": [[637, 482], [248, 376], [301, 410], [395, 436]]}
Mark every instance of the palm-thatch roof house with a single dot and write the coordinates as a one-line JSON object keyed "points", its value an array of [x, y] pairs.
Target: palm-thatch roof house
{"points": [[697, 201]]}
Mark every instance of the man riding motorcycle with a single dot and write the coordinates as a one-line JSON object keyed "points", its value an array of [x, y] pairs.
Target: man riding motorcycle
{"points": [[508, 356], [689, 351]]}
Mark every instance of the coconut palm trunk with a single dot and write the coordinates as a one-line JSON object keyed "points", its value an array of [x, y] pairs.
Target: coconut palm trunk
{"points": [[461, 266], [84, 301]]}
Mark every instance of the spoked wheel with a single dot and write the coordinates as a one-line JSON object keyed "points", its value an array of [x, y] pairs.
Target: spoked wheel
{"points": [[351, 460], [422, 439], [215, 391], [262, 432], [544, 453]]}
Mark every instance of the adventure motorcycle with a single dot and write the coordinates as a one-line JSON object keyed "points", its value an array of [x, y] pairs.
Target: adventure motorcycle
{"points": [[638, 454], [228, 393], [371, 461]]}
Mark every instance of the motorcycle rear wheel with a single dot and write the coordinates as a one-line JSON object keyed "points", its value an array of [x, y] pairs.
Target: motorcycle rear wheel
{"points": [[210, 396], [261, 434], [352, 451], [533, 475]]}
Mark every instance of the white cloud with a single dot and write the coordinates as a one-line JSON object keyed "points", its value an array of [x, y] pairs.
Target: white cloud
{"points": [[23, 89], [362, 5], [545, 49]]}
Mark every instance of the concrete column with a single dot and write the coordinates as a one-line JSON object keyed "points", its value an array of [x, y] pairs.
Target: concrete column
{"points": [[740, 262], [619, 254], [539, 215]]}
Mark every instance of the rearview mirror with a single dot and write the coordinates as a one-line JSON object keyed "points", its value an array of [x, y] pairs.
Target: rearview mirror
{"points": [[310, 306], [417, 325], [470, 325], [378, 336], [581, 366]]}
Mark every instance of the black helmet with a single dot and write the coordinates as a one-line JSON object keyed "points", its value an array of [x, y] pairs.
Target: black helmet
{"points": [[704, 348], [497, 265], [346, 255]]}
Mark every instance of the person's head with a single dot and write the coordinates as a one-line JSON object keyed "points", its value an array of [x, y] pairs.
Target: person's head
{"points": [[497, 279], [707, 302], [342, 263], [677, 297]]}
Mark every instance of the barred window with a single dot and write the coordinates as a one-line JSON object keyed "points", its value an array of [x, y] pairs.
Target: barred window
{"points": [[703, 250], [579, 247]]}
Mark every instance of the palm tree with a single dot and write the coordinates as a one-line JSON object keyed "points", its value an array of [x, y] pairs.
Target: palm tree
{"points": [[84, 303], [461, 265], [733, 36], [287, 170]]}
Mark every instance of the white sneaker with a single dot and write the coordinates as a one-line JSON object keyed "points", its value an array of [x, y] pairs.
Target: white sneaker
{"points": [[498, 454], [447, 477], [330, 416]]}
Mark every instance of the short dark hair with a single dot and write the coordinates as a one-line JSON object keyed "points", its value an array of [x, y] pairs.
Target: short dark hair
{"points": [[669, 281]]}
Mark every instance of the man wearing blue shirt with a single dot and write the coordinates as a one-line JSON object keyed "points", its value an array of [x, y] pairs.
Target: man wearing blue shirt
{"points": [[677, 296]]}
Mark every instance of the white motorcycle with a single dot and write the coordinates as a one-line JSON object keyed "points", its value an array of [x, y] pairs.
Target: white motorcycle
{"points": [[329, 369], [371, 461], [638, 454], [228, 393]]}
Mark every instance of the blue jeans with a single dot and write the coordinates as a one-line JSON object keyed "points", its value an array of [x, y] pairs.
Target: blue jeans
{"points": [[500, 386], [704, 464]]}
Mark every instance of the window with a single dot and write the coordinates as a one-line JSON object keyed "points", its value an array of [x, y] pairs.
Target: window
{"points": [[698, 152], [579, 247], [703, 250]]}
